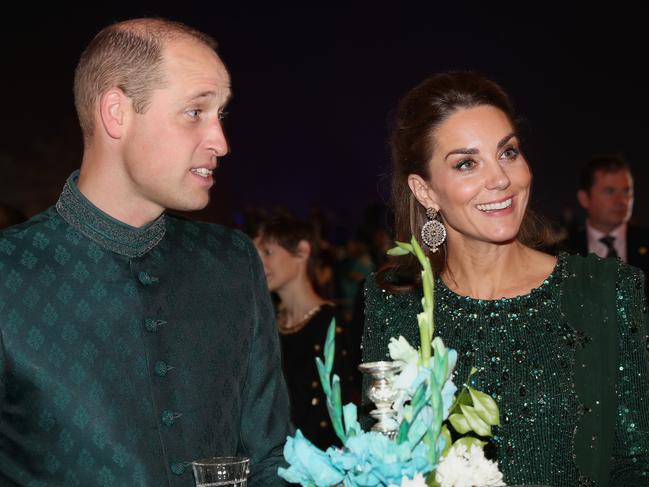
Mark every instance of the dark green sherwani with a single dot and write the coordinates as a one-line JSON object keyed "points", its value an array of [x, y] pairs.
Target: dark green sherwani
{"points": [[126, 353]]}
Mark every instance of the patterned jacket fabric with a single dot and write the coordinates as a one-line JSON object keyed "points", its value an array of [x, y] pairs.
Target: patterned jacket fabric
{"points": [[127, 353]]}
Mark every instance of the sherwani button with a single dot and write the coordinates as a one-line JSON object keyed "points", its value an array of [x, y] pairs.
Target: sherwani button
{"points": [[162, 368], [152, 325], [147, 279], [169, 417], [178, 468]]}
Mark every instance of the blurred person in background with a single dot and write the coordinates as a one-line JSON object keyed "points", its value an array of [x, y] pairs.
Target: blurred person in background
{"points": [[288, 249], [606, 194]]}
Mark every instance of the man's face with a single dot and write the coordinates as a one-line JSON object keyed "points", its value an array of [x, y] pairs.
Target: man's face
{"points": [[171, 149], [609, 202]]}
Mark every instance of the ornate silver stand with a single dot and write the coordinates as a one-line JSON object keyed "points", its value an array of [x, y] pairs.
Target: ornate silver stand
{"points": [[382, 393]]}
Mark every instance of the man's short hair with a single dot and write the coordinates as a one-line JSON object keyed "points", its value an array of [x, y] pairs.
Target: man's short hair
{"points": [[126, 55], [606, 163]]}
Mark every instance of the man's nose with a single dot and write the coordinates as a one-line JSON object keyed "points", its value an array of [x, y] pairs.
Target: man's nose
{"points": [[215, 139]]}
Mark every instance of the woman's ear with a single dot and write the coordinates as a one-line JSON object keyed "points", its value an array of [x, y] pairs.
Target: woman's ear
{"points": [[422, 191], [303, 250]]}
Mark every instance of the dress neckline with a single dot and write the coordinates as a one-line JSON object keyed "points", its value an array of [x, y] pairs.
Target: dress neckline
{"points": [[548, 283]]}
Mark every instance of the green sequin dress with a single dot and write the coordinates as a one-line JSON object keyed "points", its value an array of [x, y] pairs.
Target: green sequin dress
{"points": [[557, 377]]}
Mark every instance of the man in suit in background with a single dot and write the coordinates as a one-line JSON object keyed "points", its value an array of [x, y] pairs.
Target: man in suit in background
{"points": [[606, 193]]}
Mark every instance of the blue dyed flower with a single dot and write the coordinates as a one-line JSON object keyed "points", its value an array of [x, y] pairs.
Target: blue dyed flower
{"points": [[308, 464], [371, 459]]}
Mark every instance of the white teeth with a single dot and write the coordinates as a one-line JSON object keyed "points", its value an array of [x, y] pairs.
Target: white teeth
{"points": [[495, 206], [202, 171]]}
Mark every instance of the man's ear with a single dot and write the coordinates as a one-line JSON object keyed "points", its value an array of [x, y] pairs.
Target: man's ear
{"points": [[584, 198], [303, 250], [422, 191], [113, 108]]}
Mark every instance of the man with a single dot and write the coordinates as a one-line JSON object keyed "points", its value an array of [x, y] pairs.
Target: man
{"points": [[133, 342], [606, 193]]}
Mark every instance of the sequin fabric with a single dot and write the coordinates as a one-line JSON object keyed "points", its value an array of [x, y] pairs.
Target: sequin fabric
{"points": [[524, 350]]}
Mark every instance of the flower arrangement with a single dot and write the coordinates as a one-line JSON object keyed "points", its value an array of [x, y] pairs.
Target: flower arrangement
{"points": [[429, 415]]}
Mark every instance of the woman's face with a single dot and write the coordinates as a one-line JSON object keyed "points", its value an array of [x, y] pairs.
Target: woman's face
{"points": [[280, 266], [480, 180]]}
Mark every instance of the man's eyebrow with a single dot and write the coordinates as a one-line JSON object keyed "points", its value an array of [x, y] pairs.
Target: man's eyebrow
{"points": [[201, 96], [205, 96]]}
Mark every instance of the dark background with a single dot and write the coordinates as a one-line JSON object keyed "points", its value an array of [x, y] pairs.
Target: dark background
{"points": [[314, 89]]}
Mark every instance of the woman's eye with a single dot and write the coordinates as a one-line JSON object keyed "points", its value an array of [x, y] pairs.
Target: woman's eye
{"points": [[465, 165], [194, 114], [510, 153]]}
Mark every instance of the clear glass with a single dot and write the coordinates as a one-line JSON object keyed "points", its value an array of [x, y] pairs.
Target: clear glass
{"points": [[228, 471]]}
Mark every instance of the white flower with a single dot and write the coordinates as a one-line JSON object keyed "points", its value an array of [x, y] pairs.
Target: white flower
{"points": [[464, 468], [406, 356], [417, 481]]}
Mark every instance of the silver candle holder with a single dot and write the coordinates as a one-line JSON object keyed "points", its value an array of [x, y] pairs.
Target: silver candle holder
{"points": [[382, 392]]}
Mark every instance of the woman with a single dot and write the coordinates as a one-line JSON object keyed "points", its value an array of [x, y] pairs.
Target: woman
{"points": [[560, 343], [288, 248]]}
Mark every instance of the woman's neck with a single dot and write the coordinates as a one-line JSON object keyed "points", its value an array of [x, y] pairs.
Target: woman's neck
{"points": [[298, 299], [487, 271]]}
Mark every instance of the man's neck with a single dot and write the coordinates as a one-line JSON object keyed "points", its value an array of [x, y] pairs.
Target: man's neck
{"points": [[102, 188]]}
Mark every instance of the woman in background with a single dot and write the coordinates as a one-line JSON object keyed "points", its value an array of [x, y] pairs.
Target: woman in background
{"points": [[560, 343], [288, 250]]}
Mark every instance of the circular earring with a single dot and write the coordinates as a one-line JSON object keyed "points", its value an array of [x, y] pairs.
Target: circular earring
{"points": [[433, 233]]}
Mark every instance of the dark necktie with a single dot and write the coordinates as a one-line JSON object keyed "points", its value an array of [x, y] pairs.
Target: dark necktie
{"points": [[608, 241]]}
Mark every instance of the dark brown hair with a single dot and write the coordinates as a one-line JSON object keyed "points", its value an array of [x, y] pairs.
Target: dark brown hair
{"points": [[606, 163], [288, 231], [420, 112]]}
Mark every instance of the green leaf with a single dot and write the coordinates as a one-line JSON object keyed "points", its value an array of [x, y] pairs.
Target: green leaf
{"points": [[459, 423], [417, 431], [462, 398], [431, 481], [350, 415], [324, 376], [475, 421], [402, 435], [335, 410], [469, 441], [485, 406], [448, 441], [405, 246], [397, 251], [330, 346]]}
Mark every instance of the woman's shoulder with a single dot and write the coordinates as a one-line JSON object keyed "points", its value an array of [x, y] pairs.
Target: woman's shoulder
{"points": [[597, 269]]}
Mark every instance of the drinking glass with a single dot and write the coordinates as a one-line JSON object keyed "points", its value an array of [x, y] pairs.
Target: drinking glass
{"points": [[221, 471]]}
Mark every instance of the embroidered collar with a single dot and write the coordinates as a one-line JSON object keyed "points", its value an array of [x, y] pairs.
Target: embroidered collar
{"points": [[103, 229]]}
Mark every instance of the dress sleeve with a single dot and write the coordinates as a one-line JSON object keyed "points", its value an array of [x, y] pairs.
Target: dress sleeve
{"points": [[630, 466], [265, 415]]}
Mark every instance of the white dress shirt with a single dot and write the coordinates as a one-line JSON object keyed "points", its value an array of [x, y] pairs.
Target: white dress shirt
{"points": [[599, 248]]}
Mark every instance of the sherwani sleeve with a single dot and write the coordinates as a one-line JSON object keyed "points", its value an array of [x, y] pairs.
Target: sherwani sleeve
{"points": [[265, 416]]}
